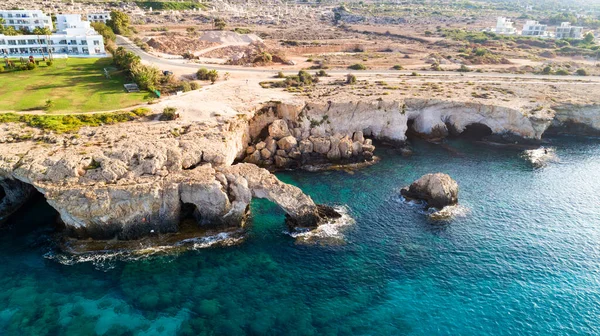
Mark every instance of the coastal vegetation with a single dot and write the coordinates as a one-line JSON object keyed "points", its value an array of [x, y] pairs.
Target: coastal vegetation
{"points": [[72, 122], [73, 85]]}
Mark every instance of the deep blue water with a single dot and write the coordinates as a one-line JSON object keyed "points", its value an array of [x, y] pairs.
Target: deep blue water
{"points": [[524, 260]]}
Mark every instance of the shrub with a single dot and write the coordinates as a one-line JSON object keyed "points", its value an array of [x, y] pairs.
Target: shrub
{"points": [[169, 113], [194, 86], [547, 70], [31, 66], [581, 72], [263, 57], [202, 74], [561, 72], [242, 30], [49, 63], [350, 79], [415, 74], [280, 74], [1, 68], [213, 75], [140, 111], [49, 104], [185, 87], [22, 67], [397, 67], [464, 68], [358, 66], [304, 77], [321, 73]]}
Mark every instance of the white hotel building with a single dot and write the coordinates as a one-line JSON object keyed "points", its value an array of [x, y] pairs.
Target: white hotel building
{"points": [[98, 17], [27, 19], [75, 38]]}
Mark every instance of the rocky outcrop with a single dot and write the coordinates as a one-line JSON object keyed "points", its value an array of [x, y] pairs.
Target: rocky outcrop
{"points": [[306, 147], [135, 179], [438, 190]]}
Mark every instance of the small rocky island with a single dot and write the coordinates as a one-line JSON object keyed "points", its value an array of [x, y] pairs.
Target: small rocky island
{"points": [[438, 190]]}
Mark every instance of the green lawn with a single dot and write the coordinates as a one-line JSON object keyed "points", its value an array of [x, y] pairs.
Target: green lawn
{"points": [[73, 85]]}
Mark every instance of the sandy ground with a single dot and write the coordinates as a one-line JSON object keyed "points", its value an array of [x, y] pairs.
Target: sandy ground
{"points": [[222, 99]]}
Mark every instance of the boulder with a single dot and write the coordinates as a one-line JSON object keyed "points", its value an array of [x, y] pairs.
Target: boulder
{"points": [[250, 150], [334, 153], [368, 148], [271, 144], [281, 162], [321, 145], [253, 158], [438, 190], [287, 143], [357, 148], [345, 147], [295, 154], [358, 136], [265, 153], [281, 153], [279, 129], [260, 145], [306, 146]]}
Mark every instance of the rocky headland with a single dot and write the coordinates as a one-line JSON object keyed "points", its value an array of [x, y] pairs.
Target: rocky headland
{"points": [[129, 180]]}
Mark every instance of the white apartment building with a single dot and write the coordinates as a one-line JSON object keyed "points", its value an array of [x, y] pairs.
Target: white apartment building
{"points": [[27, 19], [98, 17], [534, 28], [504, 26], [64, 21], [74, 38], [567, 31]]}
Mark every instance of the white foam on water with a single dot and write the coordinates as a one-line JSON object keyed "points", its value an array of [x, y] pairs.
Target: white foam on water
{"points": [[330, 232], [540, 157], [222, 239], [448, 212]]}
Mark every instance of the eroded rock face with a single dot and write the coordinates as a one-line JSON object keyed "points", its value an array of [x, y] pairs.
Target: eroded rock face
{"points": [[13, 194], [438, 190]]}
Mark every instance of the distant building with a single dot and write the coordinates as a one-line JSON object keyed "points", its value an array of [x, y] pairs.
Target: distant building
{"points": [[567, 31], [504, 26], [98, 17], [74, 37], [26, 19], [534, 28]]}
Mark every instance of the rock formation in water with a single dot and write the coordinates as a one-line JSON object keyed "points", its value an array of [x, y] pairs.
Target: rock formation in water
{"points": [[438, 190]]}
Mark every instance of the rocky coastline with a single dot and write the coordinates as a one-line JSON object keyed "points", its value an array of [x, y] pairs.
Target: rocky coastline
{"points": [[135, 179]]}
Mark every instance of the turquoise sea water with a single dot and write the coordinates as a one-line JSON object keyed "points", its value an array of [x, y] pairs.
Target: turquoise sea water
{"points": [[523, 260]]}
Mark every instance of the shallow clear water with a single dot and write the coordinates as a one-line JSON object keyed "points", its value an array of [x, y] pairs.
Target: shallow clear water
{"points": [[524, 260]]}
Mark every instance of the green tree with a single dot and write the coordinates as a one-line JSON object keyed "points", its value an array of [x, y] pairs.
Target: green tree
{"points": [[104, 30], [119, 22], [42, 31], [589, 37], [11, 31], [147, 77]]}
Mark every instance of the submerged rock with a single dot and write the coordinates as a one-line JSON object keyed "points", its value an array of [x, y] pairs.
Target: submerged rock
{"points": [[540, 157], [438, 190]]}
